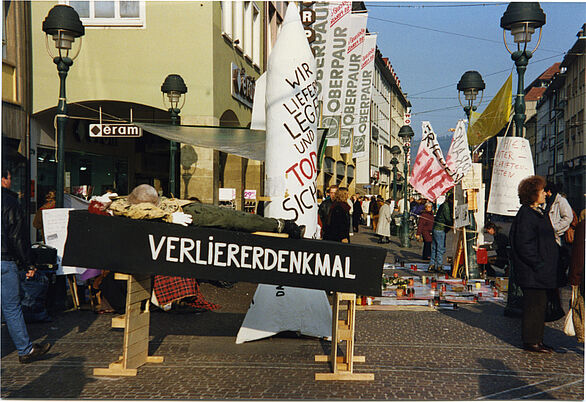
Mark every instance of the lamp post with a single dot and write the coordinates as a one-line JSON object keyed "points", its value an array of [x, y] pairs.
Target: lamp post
{"points": [[521, 19], [174, 87], [395, 151], [64, 25], [471, 84], [406, 133]]}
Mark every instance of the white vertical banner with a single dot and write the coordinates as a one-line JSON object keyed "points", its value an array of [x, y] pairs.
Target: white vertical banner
{"points": [[318, 46], [361, 140], [350, 93], [335, 61], [512, 163], [291, 171], [459, 160]]}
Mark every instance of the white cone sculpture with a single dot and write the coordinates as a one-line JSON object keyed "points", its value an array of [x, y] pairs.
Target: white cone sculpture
{"points": [[291, 171]]}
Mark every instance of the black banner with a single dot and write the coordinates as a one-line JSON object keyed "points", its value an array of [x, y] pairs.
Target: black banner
{"points": [[138, 246]]}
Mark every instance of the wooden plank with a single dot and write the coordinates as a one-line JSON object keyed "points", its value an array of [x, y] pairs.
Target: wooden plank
{"points": [[138, 334], [347, 296], [121, 277], [120, 372], [137, 354], [155, 359], [326, 358], [139, 295], [344, 376], [272, 234], [119, 321], [379, 307]]}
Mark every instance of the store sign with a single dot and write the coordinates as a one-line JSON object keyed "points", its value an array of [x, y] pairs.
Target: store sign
{"points": [[250, 194], [307, 15], [407, 117], [243, 86], [115, 130]]}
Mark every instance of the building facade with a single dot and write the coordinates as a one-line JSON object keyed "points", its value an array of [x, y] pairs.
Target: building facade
{"points": [[127, 51]]}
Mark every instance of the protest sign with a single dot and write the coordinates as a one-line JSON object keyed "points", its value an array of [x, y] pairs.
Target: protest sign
{"points": [[473, 179], [458, 159], [512, 163], [350, 93], [336, 44], [430, 175], [361, 141], [291, 122], [146, 247]]}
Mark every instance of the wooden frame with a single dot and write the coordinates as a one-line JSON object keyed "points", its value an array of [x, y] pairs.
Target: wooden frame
{"points": [[343, 330], [136, 323]]}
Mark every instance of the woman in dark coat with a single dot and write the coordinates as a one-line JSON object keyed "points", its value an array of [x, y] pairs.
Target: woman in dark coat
{"points": [[425, 230], [356, 213], [338, 227], [535, 257]]}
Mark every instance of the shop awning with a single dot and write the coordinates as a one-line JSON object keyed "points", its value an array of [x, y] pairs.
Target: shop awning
{"points": [[240, 141]]}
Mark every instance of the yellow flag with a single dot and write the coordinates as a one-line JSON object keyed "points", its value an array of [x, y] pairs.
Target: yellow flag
{"points": [[495, 116]]}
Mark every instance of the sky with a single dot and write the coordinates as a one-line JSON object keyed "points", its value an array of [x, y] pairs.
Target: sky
{"points": [[431, 45]]}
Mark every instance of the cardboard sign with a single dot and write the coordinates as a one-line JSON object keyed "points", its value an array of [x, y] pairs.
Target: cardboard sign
{"points": [[473, 179], [512, 163], [138, 246]]}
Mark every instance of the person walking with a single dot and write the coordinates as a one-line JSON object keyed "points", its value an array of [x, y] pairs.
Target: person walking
{"points": [[425, 230], [338, 220], [373, 211], [366, 210], [15, 252], [443, 222], [383, 228], [535, 256]]}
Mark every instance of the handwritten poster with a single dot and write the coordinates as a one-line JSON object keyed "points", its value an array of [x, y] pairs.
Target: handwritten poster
{"points": [[55, 229], [512, 163]]}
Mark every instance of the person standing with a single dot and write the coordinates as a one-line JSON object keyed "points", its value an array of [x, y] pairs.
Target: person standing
{"points": [[383, 228], [338, 220], [357, 213], [535, 255], [561, 215], [366, 210], [443, 222], [15, 252], [324, 208], [373, 210], [425, 230]]}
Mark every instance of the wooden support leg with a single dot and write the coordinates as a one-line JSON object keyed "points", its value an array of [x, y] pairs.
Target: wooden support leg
{"points": [[343, 330], [73, 290], [135, 322]]}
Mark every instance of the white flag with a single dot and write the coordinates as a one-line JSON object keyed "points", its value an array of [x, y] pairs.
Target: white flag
{"points": [[459, 160], [361, 141], [430, 176], [350, 94]]}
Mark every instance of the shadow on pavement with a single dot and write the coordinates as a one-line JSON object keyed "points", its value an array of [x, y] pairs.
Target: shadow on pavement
{"points": [[64, 378], [491, 384]]}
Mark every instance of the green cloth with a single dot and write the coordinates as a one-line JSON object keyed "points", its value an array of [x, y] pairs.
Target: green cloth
{"points": [[206, 215], [444, 218]]}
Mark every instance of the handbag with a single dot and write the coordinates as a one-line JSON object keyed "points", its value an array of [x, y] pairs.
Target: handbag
{"points": [[44, 255], [553, 307], [569, 321]]}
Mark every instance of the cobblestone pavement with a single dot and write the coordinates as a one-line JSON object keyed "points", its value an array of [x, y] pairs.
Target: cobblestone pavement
{"points": [[465, 354]]}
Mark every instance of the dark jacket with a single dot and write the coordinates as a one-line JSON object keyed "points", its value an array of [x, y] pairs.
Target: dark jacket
{"points": [[15, 241], [534, 250], [576, 276], [338, 226], [373, 207], [324, 210], [425, 226], [444, 218], [357, 210]]}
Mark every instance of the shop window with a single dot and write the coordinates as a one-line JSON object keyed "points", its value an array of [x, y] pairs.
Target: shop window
{"points": [[247, 30], [122, 13]]}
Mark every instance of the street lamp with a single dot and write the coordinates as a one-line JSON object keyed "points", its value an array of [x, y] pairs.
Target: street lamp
{"points": [[395, 151], [521, 19], [406, 133], [470, 84], [174, 87], [64, 25]]}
